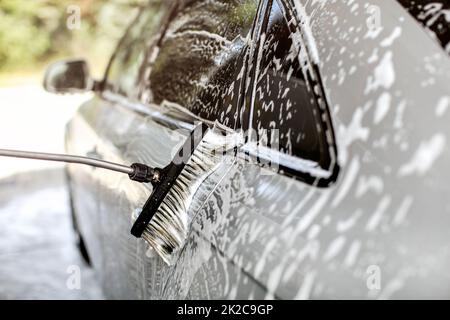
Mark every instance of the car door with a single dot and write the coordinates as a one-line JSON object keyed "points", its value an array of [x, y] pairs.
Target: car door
{"points": [[203, 60], [256, 235], [163, 79], [283, 223]]}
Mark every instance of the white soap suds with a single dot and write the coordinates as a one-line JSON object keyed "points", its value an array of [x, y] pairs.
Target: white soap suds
{"points": [[442, 106], [390, 40], [425, 156], [402, 211], [307, 32], [345, 225], [377, 216], [383, 106], [305, 290], [334, 248], [366, 184], [384, 74], [351, 133], [352, 254], [348, 181]]}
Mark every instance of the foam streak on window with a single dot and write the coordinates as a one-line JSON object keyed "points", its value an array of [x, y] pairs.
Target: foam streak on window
{"points": [[199, 65]]}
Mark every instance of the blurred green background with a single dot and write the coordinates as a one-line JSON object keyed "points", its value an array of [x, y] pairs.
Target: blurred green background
{"points": [[35, 32]]}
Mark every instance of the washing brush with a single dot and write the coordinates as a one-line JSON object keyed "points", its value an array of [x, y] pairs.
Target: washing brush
{"points": [[164, 220]]}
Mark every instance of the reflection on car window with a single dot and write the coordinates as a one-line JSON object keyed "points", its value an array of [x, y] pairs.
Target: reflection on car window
{"points": [[286, 111], [123, 72], [199, 62]]}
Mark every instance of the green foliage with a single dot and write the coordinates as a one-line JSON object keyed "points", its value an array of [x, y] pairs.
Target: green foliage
{"points": [[20, 37], [33, 32]]}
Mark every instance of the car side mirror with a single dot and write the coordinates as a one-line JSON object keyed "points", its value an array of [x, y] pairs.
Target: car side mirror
{"points": [[68, 76]]}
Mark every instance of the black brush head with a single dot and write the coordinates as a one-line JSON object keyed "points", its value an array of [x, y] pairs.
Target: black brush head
{"points": [[168, 176]]}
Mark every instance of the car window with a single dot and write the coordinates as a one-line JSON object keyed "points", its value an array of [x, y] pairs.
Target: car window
{"points": [[122, 75], [434, 16], [199, 63], [286, 111]]}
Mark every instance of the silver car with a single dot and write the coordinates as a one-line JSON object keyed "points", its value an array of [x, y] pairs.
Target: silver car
{"points": [[340, 190]]}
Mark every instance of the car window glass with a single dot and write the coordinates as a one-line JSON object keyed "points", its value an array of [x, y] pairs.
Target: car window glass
{"points": [[122, 77], [434, 16], [286, 112], [199, 64]]}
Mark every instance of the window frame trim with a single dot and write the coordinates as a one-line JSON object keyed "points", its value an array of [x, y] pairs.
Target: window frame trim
{"points": [[296, 167]]}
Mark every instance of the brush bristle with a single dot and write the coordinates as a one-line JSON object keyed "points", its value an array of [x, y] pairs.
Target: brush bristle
{"points": [[169, 227]]}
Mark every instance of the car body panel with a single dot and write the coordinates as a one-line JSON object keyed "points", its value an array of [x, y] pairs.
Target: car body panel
{"points": [[262, 234]]}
